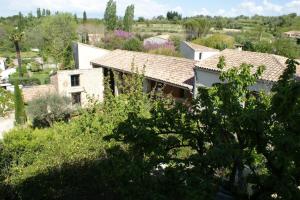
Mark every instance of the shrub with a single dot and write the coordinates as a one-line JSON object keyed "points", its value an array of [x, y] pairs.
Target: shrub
{"points": [[26, 81], [165, 51], [167, 45], [133, 44], [217, 41], [50, 108]]}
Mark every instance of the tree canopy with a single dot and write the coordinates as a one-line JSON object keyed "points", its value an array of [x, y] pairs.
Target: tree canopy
{"points": [[110, 15]]}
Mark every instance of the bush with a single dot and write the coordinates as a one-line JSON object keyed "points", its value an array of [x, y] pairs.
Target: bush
{"points": [[46, 110], [26, 81], [133, 44], [217, 41], [20, 115], [165, 51]]}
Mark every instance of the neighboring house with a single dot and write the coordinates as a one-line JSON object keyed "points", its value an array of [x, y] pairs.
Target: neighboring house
{"points": [[4, 75], [157, 40], [171, 75], [84, 54], [79, 84], [196, 52], [95, 38], [2, 64], [207, 73], [292, 34]]}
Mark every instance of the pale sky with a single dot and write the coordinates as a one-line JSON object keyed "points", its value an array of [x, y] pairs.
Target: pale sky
{"points": [[150, 8]]}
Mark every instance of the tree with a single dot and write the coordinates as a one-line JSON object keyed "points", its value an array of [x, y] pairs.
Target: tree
{"points": [[217, 41], [128, 18], [196, 28], [59, 31], [84, 18], [44, 12], [173, 16], [16, 37], [20, 115], [110, 15], [38, 13], [75, 18], [50, 108]]}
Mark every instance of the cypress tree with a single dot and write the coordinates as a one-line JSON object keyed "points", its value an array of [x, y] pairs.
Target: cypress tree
{"points": [[84, 17], [110, 15], [128, 18], [20, 116]]}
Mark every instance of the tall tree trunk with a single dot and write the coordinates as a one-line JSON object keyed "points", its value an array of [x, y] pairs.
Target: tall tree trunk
{"points": [[19, 58]]}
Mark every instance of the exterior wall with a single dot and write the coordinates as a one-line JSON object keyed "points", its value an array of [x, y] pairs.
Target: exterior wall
{"points": [[204, 55], [205, 78], [2, 64], [84, 54], [155, 40], [187, 51], [91, 83]]}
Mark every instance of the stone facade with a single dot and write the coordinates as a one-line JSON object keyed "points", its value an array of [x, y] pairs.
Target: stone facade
{"points": [[90, 84]]}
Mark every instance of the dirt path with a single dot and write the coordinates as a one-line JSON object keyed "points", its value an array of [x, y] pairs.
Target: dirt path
{"points": [[6, 124]]}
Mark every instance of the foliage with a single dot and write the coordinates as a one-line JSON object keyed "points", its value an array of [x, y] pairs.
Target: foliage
{"points": [[110, 15], [133, 44], [152, 46], [196, 28], [58, 35], [128, 18], [16, 37], [20, 115], [50, 108], [84, 18], [173, 15], [165, 51], [26, 81], [123, 34], [217, 41], [6, 102]]}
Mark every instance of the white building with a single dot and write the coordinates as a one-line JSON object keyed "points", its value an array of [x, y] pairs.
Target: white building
{"points": [[196, 52], [2, 64], [4, 75], [207, 73], [84, 54], [157, 40]]}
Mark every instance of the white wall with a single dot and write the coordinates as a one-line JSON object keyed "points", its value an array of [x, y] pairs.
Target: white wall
{"points": [[187, 51], [84, 54], [205, 78], [2, 65], [91, 83], [204, 55], [155, 40]]}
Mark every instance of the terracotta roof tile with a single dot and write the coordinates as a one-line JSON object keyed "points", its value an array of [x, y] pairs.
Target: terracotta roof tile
{"points": [[275, 65], [173, 70]]}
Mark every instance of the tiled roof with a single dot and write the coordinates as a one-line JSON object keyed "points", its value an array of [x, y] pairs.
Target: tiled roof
{"points": [[33, 92], [274, 64], [200, 48], [172, 70]]}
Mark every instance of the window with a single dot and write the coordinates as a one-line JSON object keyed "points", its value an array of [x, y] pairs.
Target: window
{"points": [[200, 56], [76, 98], [75, 80]]}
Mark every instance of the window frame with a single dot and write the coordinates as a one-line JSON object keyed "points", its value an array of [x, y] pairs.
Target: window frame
{"points": [[75, 80]]}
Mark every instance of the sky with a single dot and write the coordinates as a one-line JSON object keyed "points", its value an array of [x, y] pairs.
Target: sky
{"points": [[150, 8]]}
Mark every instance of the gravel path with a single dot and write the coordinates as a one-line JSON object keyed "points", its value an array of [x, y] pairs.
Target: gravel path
{"points": [[6, 124]]}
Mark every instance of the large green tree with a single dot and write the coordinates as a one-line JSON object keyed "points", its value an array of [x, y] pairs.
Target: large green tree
{"points": [[59, 31], [196, 28], [128, 18], [110, 15]]}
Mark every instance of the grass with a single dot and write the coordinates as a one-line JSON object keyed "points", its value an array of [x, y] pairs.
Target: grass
{"points": [[43, 76]]}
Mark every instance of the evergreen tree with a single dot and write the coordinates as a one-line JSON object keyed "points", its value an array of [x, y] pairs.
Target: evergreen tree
{"points": [[38, 13], [44, 12], [20, 116], [110, 15], [16, 38], [75, 18], [128, 18], [84, 19], [48, 12]]}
